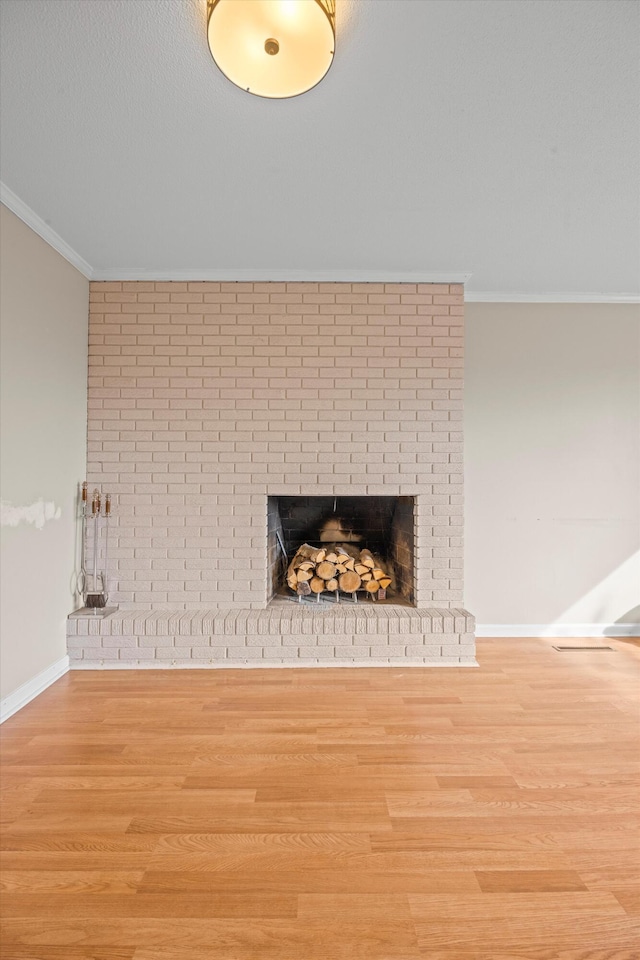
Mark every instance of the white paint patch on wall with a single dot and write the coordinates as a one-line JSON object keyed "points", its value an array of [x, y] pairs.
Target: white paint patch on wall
{"points": [[37, 513]]}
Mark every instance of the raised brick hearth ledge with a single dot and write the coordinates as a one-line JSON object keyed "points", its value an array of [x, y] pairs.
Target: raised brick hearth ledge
{"points": [[284, 634]]}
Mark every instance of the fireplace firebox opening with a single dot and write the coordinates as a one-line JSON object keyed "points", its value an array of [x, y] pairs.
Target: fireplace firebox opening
{"points": [[380, 526]]}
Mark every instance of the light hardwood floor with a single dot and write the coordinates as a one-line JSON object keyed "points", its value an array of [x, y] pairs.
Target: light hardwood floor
{"points": [[368, 814]]}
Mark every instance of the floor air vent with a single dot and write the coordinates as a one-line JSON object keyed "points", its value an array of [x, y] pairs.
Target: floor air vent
{"points": [[565, 648]]}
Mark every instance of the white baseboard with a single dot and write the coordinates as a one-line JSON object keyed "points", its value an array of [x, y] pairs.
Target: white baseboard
{"points": [[553, 630], [29, 690]]}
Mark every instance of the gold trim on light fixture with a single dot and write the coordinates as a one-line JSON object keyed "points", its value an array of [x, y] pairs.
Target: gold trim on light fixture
{"points": [[272, 48]]}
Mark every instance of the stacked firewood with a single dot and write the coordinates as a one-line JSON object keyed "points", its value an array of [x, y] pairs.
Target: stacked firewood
{"points": [[337, 566]]}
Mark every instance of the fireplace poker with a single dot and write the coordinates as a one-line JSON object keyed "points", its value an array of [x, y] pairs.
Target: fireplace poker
{"points": [[82, 581], [107, 517], [95, 512]]}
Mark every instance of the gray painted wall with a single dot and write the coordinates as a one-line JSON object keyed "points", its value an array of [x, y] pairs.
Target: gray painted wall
{"points": [[44, 306], [552, 451]]}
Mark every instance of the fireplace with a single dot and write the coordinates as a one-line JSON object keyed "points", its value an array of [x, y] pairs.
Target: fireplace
{"points": [[382, 526], [227, 417]]}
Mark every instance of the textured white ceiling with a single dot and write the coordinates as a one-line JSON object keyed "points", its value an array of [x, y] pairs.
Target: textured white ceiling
{"points": [[497, 137]]}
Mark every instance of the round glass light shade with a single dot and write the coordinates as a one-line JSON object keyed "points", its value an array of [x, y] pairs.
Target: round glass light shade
{"points": [[273, 48]]}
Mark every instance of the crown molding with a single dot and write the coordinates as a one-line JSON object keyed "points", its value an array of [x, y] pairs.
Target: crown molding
{"points": [[283, 276], [37, 224], [358, 276], [473, 296]]}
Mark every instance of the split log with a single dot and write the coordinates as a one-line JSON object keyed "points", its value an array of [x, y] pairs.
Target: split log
{"points": [[344, 550], [350, 581], [384, 583], [366, 557], [361, 568], [305, 552], [304, 575], [300, 562], [378, 573]]}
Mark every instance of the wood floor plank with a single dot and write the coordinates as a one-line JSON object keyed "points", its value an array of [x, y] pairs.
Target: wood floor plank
{"points": [[347, 786], [339, 949], [77, 842], [270, 818], [522, 936], [528, 881], [88, 906], [309, 937], [253, 843], [469, 782], [66, 952], [72, 860], [377, 814], [505, 906], [44, 821], [286, 875], [451, 841], [450, 803], [70, 881], [629, 900]]}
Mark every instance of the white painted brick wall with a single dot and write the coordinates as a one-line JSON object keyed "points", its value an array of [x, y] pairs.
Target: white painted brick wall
{"points": [[206, 397]]}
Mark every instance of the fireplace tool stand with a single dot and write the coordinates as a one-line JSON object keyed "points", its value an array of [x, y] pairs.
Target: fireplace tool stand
{"points": [[95, 517]]}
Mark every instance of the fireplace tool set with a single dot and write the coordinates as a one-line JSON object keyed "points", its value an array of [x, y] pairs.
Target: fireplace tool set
{"points": [[95, 516]]}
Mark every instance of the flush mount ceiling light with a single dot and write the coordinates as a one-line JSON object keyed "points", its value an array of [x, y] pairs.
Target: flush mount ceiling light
{"points": [[273, 48]]}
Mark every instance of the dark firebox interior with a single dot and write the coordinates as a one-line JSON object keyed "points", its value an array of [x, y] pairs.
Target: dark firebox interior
{"points": [[385, 525]]}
